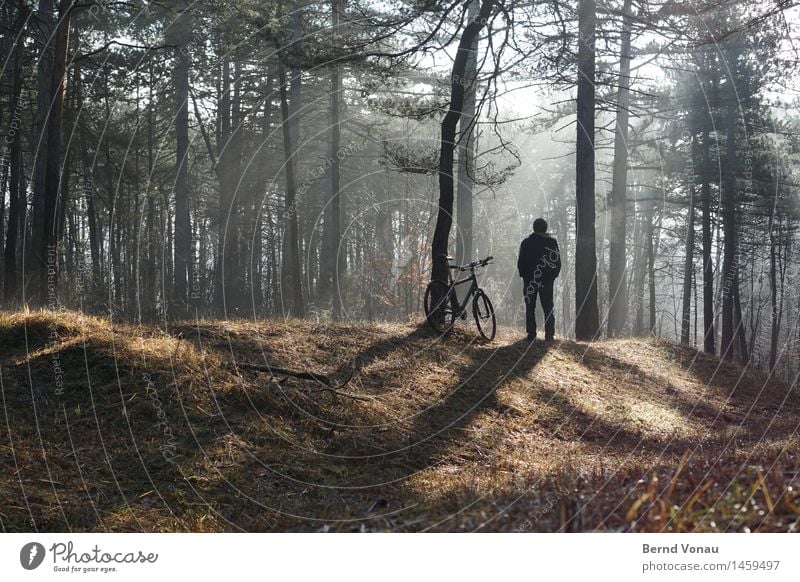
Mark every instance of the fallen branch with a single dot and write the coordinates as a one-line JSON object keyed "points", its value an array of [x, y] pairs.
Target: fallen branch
{"points": [[324, 388], [277, 371], [325, 383]]}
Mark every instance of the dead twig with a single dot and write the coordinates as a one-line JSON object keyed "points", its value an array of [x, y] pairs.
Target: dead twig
{"points": [[324, 388], [324, 382], [278, 371]]}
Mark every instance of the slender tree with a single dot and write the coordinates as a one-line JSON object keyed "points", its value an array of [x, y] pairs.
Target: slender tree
{"points": [[444, 217], [291, 275], [587, 316], [332, 255], [617, 251], [16, 174], [183, 229], [466, 152], [688, 264]]}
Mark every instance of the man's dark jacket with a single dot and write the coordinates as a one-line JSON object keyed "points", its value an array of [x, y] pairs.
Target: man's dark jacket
{"points": [[539, 258]]}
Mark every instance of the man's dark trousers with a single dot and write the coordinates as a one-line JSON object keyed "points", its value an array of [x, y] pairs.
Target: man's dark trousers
{"points": [[544, 291]]}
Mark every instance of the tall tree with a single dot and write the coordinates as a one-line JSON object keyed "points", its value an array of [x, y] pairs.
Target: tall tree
{"points": [[466, 151], [47, 237], [16, 174], [332, 255], [36, 270], [730, 254], [224, 263], [688, 264], [291, 273], [617, 252], [709, 333], [183, 228], [587, 316], [444, 216]]}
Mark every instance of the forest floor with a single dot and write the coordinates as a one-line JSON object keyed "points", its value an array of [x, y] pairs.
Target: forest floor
{"points": [[114, 427]]}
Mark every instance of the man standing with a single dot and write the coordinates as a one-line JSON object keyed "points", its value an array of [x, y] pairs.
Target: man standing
{"points": [[539, 264]]}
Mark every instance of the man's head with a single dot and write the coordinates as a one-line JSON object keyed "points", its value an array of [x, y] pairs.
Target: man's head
{"points": [[540, 226]]}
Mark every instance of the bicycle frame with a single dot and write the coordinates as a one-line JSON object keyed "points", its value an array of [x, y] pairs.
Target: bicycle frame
{"points": [[473, 288]]}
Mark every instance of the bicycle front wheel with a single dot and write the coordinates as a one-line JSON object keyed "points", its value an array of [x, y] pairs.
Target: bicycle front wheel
{"points": [[439, 305], [483, 312]]}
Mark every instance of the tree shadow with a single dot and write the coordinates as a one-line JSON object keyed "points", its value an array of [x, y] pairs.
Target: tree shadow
{"points": [[601, 362], [381, 349], [437, 427], [747, 407]]}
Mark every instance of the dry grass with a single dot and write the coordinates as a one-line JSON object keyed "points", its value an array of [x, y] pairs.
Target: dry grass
{"points": [[163, 431]]}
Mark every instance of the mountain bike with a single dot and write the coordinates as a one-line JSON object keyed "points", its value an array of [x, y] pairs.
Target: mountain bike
{"points": [[442, 307]]}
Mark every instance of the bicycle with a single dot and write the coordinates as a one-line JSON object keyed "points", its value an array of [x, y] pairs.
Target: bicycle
{"points": [[442, 306]]}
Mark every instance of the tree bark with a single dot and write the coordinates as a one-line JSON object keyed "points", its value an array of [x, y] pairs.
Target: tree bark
{"points": [[773, 288], [221, 281], [261, 205], [16, 180], [652, 251], [709, 334], [617, 252], [183, 242], [444, 217], [587, 317], [48, 263], [688, 264], [91, 213], [291, 278], [466, 152], [45, 24], [235, 265], [638, 268], [740, 333], [332, 256], [730, 258]]}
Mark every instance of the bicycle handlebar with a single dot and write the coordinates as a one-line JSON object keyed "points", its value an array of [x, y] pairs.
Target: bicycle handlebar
{"points": [[473, 264]]}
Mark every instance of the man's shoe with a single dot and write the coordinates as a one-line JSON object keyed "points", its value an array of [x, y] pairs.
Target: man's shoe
{"points": [[530, 337], [549, 338]]}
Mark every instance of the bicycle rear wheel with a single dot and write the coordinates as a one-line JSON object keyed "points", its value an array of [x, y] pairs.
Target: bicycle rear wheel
{"points": [[483, 312], [440, 306]]}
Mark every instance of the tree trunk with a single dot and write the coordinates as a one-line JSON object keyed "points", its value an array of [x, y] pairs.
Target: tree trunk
{"points": [[740, 333], [183, 229], [48, 251], [291, 278], [587, 317], [45, 24], [134, 242], [652, 251], [331, 256], [16, 180], [466, 152], [644, 266], [444, 217], [730, 259], [235, 271], [773, 292], [261, 205], [617, 252], [149, 271], [638, 269], [91, 216], [709, 334], [223, 260], [688, 264], [274, 287]]}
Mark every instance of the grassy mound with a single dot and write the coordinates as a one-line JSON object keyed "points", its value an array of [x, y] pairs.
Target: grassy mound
{"points": [[114, 427]]}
